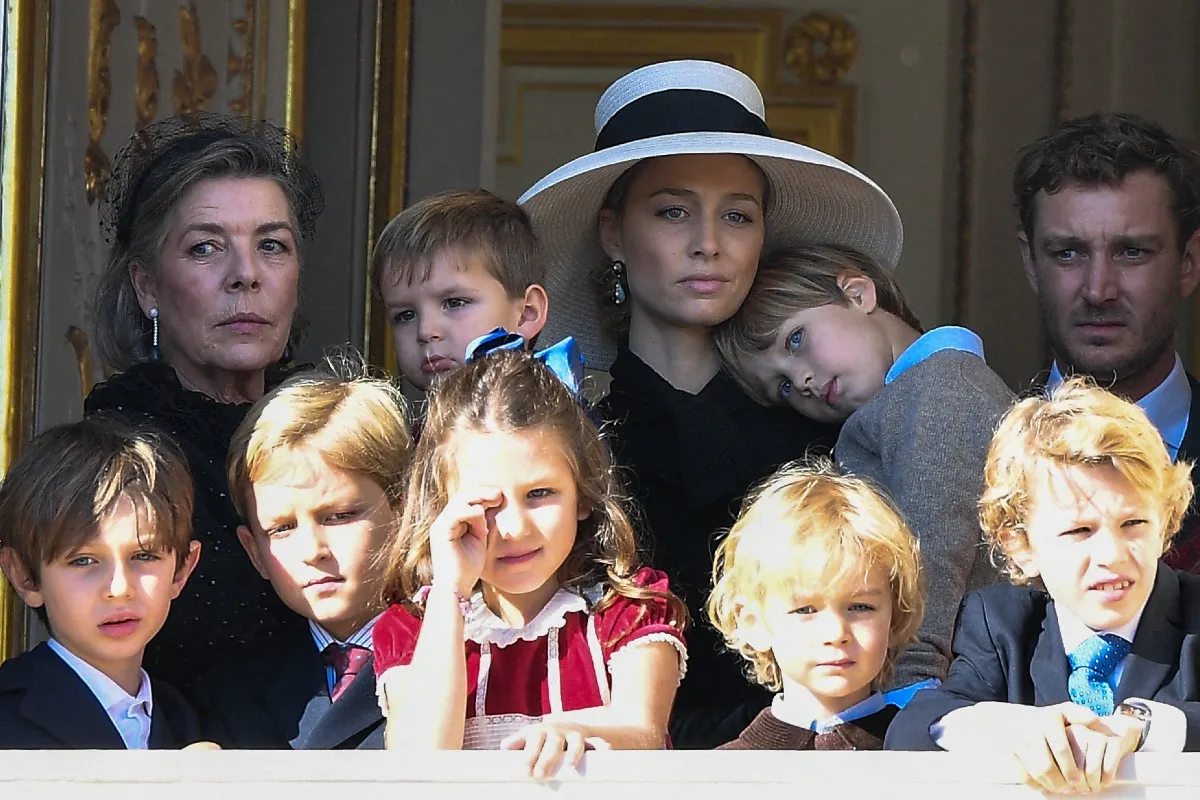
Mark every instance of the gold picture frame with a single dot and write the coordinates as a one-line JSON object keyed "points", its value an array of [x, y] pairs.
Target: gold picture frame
{"points": [[26, 60], [387, 190]]}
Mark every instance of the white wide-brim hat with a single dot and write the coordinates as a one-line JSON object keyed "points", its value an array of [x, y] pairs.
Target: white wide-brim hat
{"points": [[684, 108]]}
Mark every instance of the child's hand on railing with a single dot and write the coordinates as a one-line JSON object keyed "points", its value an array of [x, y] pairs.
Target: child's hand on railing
{"points": [[548, 744]]}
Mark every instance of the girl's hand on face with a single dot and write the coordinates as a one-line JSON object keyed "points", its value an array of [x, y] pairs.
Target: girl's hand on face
{"points": [[458, 539], [548, 744]]}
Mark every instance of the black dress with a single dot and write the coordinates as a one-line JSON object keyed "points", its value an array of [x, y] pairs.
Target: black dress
{"points": [[688, 460], [226, 604]]}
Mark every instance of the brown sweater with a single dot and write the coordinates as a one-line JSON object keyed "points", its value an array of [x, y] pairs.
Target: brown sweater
{"points": [[768, 732]]}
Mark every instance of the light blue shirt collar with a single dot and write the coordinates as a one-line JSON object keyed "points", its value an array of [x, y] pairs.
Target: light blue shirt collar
{"points": [[947, 337], [1168, 405], [798, 715]]}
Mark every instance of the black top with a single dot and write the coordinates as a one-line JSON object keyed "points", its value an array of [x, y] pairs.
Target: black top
{"points": [[688, 459], [226, 604]]}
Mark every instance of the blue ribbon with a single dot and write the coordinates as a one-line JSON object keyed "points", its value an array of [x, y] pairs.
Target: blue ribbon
{"points": [[564, 358]]}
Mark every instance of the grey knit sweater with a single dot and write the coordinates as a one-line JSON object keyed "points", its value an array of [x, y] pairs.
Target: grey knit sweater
{"points": [[924, 439]]}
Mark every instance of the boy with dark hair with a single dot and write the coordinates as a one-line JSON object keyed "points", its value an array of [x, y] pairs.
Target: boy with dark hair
{"points": [[95, 535]]}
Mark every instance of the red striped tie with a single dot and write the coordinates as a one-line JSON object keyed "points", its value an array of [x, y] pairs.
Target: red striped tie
{"points": [[346, 661]]}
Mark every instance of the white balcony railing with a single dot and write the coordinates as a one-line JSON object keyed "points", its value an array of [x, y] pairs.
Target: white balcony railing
{"points": [[493, 776]]}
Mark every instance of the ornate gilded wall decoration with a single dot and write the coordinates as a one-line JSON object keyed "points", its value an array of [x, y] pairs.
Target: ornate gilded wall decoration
{"points": [[196, 83], [820, 47], [103, 19], [146, 93], [243, 66]]}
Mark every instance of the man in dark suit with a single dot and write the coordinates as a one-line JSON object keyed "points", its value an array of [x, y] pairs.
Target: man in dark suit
{"points": [[45, 705], [1109, 208], [1093, 651]]}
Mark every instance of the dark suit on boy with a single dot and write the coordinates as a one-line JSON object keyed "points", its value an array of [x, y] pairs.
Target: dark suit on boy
{"points": [[1185, 547], [279, 699], [1008, 649], [45, 705]]}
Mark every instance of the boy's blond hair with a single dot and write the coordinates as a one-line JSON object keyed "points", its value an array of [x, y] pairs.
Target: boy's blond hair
{"points": [[353, 421], [1079, 424], [804, 530], [792, 280], [475, 222]]}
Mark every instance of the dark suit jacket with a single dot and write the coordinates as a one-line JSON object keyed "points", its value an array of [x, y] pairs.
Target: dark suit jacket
{"points": [[45, 705], [279, 699], [1008, 649], [1185, 548]]}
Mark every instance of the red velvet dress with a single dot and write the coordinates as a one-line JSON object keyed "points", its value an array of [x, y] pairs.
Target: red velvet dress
{"points": [[560, 661]]}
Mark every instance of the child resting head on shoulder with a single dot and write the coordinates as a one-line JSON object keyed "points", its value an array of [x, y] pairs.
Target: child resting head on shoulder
{"points": [[818, 585], [514, 540]]}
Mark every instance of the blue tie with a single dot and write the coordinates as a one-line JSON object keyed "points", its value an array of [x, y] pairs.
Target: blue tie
{"points": [[1091, 665]]}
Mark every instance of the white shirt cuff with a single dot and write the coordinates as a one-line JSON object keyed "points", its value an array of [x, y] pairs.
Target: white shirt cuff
{"points": [[1168, 728], [976, 727]]}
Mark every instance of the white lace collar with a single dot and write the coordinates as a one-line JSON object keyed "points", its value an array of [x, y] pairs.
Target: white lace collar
{"points": [[484, 627]]}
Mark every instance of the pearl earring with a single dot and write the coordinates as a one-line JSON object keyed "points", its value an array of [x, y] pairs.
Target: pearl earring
{"points": [[153, 314]]}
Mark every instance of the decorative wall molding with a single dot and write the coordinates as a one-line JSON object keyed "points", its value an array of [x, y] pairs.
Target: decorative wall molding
{"points": [[968, 89], [1063, 17], [813, 106]]}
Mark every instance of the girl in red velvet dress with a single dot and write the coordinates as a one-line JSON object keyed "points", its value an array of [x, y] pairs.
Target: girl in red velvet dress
{"points": [[520, 618]]}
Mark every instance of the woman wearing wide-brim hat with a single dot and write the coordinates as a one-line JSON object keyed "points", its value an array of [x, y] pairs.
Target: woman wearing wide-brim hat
{"points": [[650, 241]]}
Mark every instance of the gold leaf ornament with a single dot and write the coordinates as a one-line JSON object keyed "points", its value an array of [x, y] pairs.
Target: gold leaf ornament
{"points": [[196, 83], [103, 19], [821, 48]]}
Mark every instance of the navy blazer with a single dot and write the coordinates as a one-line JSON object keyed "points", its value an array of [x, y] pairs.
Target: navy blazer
{"points": [[1008, 648], [279, 699], [45, 705], [1185, 547]]}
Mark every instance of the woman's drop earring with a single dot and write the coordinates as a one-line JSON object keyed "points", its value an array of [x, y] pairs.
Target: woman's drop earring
{"points": [[153, 313], [618, 281]]}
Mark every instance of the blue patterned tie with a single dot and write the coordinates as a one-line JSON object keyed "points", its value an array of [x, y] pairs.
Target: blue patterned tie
{"points": [[1091, 665]]}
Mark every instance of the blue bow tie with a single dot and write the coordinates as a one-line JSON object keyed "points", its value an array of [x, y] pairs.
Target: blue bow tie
{"points": [[564, 358]]}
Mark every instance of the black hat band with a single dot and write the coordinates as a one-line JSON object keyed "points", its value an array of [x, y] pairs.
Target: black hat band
{"points": [[678, 111]]}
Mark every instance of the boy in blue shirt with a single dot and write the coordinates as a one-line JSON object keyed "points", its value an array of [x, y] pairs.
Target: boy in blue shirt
{"points": [[827, 332], [1090, 652]]}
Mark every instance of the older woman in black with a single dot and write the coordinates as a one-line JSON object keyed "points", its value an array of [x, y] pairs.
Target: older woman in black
{"points": [[684, 191], [206, 216]]}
